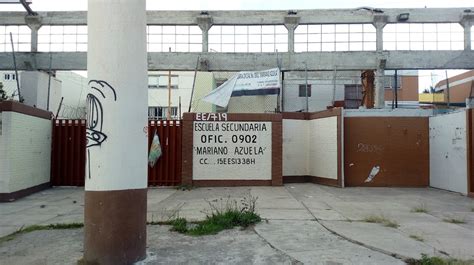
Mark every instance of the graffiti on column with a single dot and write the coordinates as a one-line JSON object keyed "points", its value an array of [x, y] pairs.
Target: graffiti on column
{"points": [[99, 91]]}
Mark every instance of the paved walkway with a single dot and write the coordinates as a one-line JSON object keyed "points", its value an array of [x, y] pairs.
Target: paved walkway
{"points": [[305, 223]]}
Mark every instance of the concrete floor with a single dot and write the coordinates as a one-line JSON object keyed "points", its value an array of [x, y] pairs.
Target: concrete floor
{"points": [[306, 223]]}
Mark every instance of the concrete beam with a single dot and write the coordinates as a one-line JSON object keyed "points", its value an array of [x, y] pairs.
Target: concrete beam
{"points": [[322, 61], [291, 23], [34, 23], [205, 23], [467, 21], [256, 17]]}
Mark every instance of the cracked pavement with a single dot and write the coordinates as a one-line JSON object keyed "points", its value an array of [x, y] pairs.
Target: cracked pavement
{"points": [[304, 224]]}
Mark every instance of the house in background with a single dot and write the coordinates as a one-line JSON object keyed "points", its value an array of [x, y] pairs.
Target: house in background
{"points": [[323, 90], [344, 89], [461, 87], [407, 88]]}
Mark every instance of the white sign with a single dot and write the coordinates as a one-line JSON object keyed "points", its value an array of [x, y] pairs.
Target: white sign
{"points": [[252, 83], [232, 151]]}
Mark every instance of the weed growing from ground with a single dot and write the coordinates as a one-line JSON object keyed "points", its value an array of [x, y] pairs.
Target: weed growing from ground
{"points": [[32, 228], [425, 260], [184, 187], [454, 220], [380, 219], [417, 238], [420, 209], [224, 214]]}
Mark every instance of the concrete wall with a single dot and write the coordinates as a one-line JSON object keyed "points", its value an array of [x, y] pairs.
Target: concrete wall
{"points": [[25, 144], [448, 154], [323, 148], [295, 147], [74, 88], [312, 147], [34, 89]]}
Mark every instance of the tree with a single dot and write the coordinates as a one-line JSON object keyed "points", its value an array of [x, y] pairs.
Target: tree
{"points": [[3, 93]]}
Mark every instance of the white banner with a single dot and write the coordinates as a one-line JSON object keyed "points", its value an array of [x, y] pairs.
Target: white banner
{"points": [[250, 83]]}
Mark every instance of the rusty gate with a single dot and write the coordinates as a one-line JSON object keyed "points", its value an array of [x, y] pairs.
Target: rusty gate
{"points": [[68, 154], [167, 171]]}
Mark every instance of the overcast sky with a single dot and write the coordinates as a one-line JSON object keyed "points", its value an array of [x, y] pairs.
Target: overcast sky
{"points": [[425, 76]]}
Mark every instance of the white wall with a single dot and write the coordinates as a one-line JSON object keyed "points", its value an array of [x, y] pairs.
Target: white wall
{"points": [[74, 88], [25, 157], [448, 153], [323, 147], [448, 157], [295, 147], [34, 89], [310, 147]]}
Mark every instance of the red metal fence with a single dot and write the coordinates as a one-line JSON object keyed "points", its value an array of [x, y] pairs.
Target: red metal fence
{"points": [[68, 154], [167, 171]]}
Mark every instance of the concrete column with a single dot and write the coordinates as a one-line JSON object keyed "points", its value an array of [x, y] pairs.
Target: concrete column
{"points": [[379, 23], [291, 22], [467, 21], [379, 91], [205, 23], [116, 167], [34, 23]]}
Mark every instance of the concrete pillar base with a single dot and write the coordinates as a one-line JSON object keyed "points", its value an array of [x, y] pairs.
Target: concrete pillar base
{"points": [[115, 226]]}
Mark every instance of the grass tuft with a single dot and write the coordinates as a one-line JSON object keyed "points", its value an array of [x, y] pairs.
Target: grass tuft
{"points": [[31, 228], [184, 187], [425, 260], [223, 215], [417, 238], [454, 220], [420, 209], [380, 219]]}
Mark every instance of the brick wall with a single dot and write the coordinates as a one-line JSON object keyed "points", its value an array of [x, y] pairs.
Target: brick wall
{"points": [[25, 144]]}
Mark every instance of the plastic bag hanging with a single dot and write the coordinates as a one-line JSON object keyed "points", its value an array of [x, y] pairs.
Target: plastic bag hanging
{"points": [[155, 150]]}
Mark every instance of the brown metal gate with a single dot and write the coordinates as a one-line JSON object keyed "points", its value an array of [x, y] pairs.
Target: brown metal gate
{"points": [[167, 171], [68, 154]]}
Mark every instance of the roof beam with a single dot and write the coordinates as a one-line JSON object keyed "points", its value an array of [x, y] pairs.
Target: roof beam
{"points": [[322, 61], [256, 17]]}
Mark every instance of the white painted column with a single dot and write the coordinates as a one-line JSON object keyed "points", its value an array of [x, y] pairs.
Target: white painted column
{"points": [[116, 168]]}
